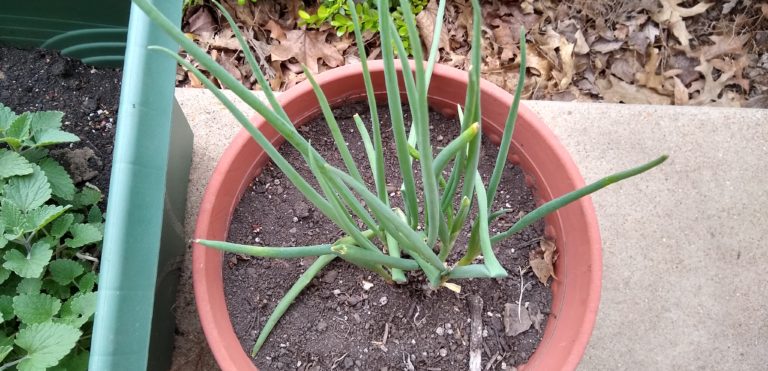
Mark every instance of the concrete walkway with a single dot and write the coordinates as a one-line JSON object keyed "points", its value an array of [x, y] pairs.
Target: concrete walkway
{"points": [[685, 246]]}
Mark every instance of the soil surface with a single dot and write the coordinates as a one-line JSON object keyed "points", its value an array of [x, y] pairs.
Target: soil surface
{"points": [[43, 80], [340, 323]]}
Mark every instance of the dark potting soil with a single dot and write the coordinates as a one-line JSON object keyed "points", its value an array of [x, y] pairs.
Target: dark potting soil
{"points": [[43, 80], [340, 323]]}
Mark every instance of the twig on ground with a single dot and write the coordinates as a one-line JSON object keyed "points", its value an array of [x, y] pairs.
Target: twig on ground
{"points": [[475, 333], [337, 360], [522, 289]]}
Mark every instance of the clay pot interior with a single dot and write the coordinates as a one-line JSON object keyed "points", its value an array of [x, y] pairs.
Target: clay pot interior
{"points": [[548, 168]]}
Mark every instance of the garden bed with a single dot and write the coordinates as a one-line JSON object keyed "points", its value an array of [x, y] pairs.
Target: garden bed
{"points": [[43, 80]]}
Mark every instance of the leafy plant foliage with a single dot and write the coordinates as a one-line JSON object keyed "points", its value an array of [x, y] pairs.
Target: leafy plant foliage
{"points": [[48, 231]]}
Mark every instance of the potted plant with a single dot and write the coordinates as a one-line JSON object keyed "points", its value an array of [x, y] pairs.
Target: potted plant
{"points": [[139, 264], [407, 247]]}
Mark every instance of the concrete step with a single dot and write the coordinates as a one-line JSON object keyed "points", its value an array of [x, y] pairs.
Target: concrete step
{"points": [[685, 246]]}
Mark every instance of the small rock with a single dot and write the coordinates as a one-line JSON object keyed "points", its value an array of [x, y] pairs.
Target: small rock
{"points": [[301, 209], [322, 325], [348, 362], [439, 138], [383, 300], [330, 276], [353, 300], [295, 219], [440, 331], [358, 363], [443, 352], [366, 285], [292, 230]]}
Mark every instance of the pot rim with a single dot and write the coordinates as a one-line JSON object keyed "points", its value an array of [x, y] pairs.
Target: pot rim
{"points": [[206, 267]]}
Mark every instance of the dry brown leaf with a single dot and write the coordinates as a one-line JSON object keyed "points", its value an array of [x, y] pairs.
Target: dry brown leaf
{"points": [[625, 69], [681, 92], [649, 78], [542, 261], [536, 62], [710, 92], [729, 5], [425, 21], [194, 81], [276, 31], [672, 14], [225, 39], [617, 91], [201, 22], [605, 46], [581, 46], [566, 60], [508, 42], [737, 66], [724, 45], [307, 47]]}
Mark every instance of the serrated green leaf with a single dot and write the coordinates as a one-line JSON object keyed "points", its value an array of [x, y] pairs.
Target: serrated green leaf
{"points": [[61, 183], [12, 218], [4, 274], [6, 308], [61, 225], [7, 116], [79, 309], [87, 282], [54, 136], [40, 217], [35, 308], [13, 164], [4, 351], [34, 155], [83, 234], [94, 215], [43, 120], [3, 240], [29, 286], [28, 191], [74, 361], [65, 271], [31, 265], [87, 196], [46, 344], [54, 289], [19, 128]]}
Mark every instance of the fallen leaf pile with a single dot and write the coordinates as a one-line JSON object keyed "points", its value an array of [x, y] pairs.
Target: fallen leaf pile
{"points": [[694, 52]]}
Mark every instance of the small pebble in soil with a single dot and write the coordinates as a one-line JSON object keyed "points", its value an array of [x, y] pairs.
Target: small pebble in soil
{"points": [[348, 362], [322, 325], [440, 331], [443, 352]]}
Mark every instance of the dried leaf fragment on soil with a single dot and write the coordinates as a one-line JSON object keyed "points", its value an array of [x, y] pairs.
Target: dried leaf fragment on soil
{"points": [[542, 261]]}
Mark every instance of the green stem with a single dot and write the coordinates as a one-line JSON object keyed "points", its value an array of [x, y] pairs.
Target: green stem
{"points": [[357, 254], [289, 297], [268, 251], [566, 199]]}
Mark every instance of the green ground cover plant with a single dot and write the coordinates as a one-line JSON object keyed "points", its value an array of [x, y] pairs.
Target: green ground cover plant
{"points": [[48, 232]]}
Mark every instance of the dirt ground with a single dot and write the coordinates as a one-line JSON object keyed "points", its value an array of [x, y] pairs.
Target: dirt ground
{"points": [[683, 52]]}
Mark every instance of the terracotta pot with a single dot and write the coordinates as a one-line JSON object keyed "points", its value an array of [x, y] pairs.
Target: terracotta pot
{"points": [[547, 165]]}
